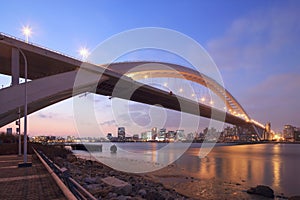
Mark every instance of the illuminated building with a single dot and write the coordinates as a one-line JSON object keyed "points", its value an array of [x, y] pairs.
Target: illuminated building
{"points": [[289, 133], [154, 133], [146, 136], [180, 135], [121, 133]]}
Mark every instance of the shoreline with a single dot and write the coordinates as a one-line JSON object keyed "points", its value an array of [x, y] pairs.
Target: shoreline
{"points": [[169, 182]]}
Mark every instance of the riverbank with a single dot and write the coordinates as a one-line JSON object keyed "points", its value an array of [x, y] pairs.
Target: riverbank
{"points": [[171, 182], [90, 175]]}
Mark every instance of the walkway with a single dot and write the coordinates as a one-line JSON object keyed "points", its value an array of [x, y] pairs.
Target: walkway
{"points": [[26, 183]]}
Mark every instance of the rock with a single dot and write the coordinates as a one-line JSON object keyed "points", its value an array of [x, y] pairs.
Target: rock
{"points": [[111, 173], [71, 158], [262, 190], [113, 149], [94, 189], [142, 193], [119, 186], [124, 197], [90, 180], [294, 198], [154, 195], [111, 195]]}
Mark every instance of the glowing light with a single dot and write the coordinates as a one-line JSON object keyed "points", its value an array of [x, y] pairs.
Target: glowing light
{"points": [[193, 95], [211, 102], [276, 137], [202, 99], [84, 52], [26, 30], [165, 84], [180, 90]]}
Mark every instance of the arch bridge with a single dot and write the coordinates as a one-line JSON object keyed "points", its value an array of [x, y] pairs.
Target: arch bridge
{"points": [[52, 76]]}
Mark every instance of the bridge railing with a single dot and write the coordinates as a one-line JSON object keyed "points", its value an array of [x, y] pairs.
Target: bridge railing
{"points": [[38, 45], [78, 191]]}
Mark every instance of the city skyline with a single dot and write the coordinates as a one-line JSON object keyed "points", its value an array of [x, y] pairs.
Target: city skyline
{"points": [[256, 48]]}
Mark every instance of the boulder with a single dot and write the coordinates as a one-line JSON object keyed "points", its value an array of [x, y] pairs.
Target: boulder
{"points": [[119, 186], [71, 158], [142, 193], [262, 190], [90, 180]]}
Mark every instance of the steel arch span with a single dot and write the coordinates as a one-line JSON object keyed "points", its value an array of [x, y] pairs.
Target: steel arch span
{"points": [[140, 70]]}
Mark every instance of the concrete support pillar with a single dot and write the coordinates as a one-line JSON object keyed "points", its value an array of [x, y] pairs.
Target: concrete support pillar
{"points": [[15, 66]]}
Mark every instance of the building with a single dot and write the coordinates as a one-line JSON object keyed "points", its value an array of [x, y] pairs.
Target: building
{"points": [[171, 135], [146, 136], [154, 133], [135, 137], [267, 135], [289, 133], [191, 136], [180, 135], [161, 135], [109, 136], [9, 131], [297, 134], [230, 134], [121, 133]]}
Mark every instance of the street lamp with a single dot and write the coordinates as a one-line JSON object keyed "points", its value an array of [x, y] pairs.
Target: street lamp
{"points": [[26, 30], [25, 164], [84, 52]]}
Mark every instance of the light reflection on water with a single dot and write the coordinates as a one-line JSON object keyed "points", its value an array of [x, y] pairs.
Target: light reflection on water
{"points": [[276, 165]]}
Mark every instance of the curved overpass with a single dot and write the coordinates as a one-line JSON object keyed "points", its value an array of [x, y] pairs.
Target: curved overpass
{"points": [[52, 78]]}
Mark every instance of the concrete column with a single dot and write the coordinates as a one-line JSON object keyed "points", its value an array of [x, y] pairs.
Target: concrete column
{"points": [[15, 66]]}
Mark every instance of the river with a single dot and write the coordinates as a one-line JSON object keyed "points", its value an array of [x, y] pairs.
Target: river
{"points": [[275, 165]]}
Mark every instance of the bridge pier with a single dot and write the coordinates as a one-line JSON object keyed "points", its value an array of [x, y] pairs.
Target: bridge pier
{"points": [[15, 66]]}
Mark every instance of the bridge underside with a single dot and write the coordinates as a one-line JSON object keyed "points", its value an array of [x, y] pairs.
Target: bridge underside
{"points": [[53, 76]]}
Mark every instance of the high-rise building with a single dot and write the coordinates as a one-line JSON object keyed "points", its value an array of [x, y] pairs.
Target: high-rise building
{"points": [[180, 135], [121, 133], [289, 133], [297, 134], [267, 135], [146, 136], [154, 133], [109, 136], [161, 135]]}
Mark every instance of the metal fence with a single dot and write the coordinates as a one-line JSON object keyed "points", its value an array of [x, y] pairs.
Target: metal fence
{"points": [[78, 191]]}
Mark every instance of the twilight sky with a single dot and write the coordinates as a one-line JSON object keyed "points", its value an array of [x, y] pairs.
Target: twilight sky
{"points": [[255, 45]]}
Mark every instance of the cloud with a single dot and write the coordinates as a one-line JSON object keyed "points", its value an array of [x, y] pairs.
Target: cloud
{"points": [[45, 116], [252, 40], [276, 99], [108, 123]]}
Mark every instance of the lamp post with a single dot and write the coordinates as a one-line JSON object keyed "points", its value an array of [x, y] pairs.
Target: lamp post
{"points": [[25, 164], [26, 32], [84, 52]]}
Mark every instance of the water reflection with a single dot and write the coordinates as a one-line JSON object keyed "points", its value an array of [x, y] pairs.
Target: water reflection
{"points": [[276, 165]]}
